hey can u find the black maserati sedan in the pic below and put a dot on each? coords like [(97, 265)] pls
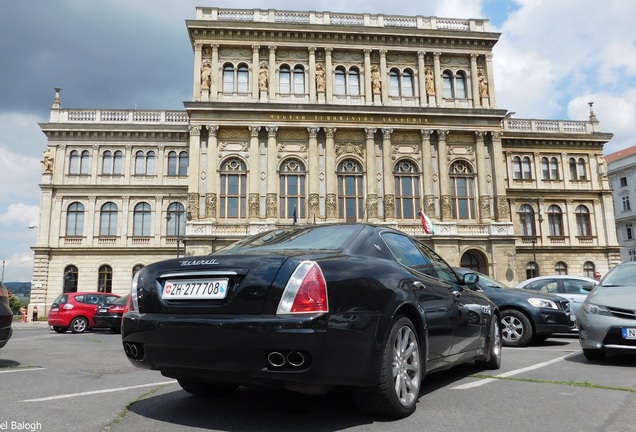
[(526, 316), (309, 308)]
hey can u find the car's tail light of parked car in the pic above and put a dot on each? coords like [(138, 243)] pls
[(305, 292), (68, 306), (133, 301)]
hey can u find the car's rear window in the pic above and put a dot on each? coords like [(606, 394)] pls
[(328, 237), (61, 299)]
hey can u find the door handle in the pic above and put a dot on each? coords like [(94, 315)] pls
[(419, 285)]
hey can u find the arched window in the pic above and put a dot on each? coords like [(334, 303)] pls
[(177, 163), (532, 270), (516, 168), (112, 163), (578, 169), (299, 80), (105, 279), (184, 161), (526, 168), (108, 219), (447, 85), (354, 82), (144, 163), (118, 162), (172, 163), (228, 78), (589, 269), (407, 83), (340, 82), (292, 189), (284, 79), (176, 218), (79, 162), (233, 197), (462, 188), (243, 79), (407, 190), (350, 191), (136, 269), (526, 219), (70, 279), (75, 219), (470, 261), (460, 85), (555, 221), (394, 82), (142, 220), (550, 168), (583, 223), (560, 268)]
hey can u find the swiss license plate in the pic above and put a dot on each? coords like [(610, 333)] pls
[(195, 289), (629, 333), (103, 310)]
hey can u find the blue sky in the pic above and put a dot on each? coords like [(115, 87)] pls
[(553, 57)]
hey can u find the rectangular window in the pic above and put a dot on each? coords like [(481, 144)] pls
[(626, 205), (623, 181), (629, 234), (632, 254)]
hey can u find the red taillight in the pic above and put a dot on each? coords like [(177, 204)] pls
[(130, 305), (306, 291), (117, 309), (68, 306)]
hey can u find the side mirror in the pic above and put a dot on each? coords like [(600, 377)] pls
[(589, 287), (470, 279)]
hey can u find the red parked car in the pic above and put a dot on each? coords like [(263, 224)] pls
[(75, 310)]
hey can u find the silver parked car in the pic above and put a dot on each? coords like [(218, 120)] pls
[(607, 318), (573, 288)]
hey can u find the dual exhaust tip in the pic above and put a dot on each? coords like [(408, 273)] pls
[(134, 350), (293, 359)]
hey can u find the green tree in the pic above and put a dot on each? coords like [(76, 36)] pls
[(15, 305)]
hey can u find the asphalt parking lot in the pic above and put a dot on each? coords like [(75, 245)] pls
[(82, 382)]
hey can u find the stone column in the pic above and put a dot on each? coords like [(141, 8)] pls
[(217, 73), (312, 74), (474, 81), (313, 171), (212, 183), (196, 89), (427, 174), (499, 174), (437, 73), (482, 178), (272, 175), (372, 192), (331, 177), (272, 76), (491, 80), (256, 67), (421, 78), (444, 188), (254, 200), (383, 76), (328, 75), (368, 86), (387, 175), (194, 169)]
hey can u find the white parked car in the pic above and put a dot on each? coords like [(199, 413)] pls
[(573, 288)]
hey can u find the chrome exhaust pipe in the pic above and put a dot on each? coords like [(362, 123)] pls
[(276, 359), (295, 358), (131, 350)]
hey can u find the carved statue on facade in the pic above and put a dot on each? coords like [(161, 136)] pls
[(483, 85), (206, 76), (263, 78), (375, 79), (429, 82), (320, 77), (47, 161)]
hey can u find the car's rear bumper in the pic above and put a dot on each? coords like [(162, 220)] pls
[(107, 321), (337, 350)]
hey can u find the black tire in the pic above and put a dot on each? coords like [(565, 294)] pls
[(400, 377), (593, 354), (494, 347), (79, 325), (206, 389), (60, 329), (516, 328)]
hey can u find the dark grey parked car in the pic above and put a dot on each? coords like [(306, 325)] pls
[(526, 316)]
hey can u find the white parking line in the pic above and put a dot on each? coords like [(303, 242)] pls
[(510, 373), (72, 395), (23, 370)]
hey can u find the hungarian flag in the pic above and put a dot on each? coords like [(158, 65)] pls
[(427, 225)]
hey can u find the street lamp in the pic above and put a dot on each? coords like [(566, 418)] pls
[(534, 239), (178, 212)]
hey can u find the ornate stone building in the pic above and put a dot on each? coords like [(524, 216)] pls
[(621, 170), (310, 118)]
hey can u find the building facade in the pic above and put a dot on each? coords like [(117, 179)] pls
[(318, 117), (621, 170)]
